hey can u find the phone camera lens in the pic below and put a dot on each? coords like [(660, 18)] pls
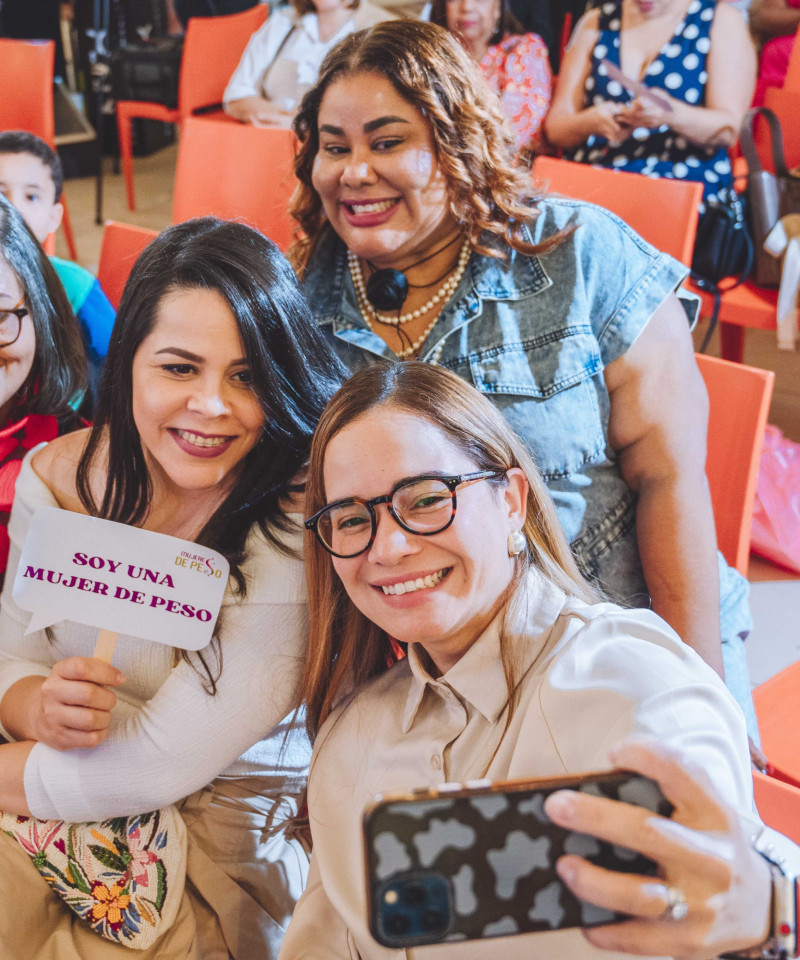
[(397, 925), (432, 920), (413, 895)]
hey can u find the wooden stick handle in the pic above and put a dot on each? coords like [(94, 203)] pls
[(104, 649)]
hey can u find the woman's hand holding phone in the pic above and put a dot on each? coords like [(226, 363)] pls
[(703, 852), (601, 120), (644, 112)]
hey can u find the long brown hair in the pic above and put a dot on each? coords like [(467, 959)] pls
[(490, 194), (345, 648)]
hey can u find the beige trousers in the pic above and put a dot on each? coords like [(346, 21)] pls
[(243, 878)]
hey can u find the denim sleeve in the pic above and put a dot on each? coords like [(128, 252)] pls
[(623, 279), (97, 317)]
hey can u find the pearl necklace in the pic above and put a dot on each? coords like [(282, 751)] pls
[(408, 351), (444, 292)]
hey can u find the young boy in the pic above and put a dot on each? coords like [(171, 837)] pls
[(31, 179)]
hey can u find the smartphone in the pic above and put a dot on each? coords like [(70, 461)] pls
[(468, 861)]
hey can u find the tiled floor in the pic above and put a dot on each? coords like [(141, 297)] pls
[(775, 641)]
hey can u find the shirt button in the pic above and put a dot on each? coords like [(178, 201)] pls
[(436, 762)]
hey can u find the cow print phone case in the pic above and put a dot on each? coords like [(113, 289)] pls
[(471, 861)]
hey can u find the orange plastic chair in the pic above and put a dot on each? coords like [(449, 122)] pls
[(122, 244), (744, 306), (778, 805), (237, 172), (211, 52), (663, 212), (26, 69), (739, 398), (784, 102), (777, 703)]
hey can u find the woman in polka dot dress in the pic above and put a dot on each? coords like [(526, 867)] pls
[(697, 57)]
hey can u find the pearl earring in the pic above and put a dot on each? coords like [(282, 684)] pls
[(517, 542)]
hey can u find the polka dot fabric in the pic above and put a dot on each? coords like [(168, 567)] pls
[(680, 69)]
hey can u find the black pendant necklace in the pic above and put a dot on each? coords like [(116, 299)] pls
[(387, 289)]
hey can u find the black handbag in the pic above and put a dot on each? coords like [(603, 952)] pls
[(723, 250), (723, 246), (770, 196)]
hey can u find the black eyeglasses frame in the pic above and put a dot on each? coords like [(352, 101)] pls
[(19, 312), (451, 483)]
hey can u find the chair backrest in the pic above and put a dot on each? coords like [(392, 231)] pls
[(783, 102), (792, 81), (211, 52), (237, 172), (122, 244), (663, 212), (778, 805), (739, 402), (777, 703), (26, 76)]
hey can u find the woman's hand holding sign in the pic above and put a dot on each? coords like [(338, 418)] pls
[(75, 703), (161, 589), (69, 709)]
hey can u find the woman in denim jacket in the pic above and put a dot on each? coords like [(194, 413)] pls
[(421, 239)]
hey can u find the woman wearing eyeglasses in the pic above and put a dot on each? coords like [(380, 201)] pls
[(42, 359), (431, 526)]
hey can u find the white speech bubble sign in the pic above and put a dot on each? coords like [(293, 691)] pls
[(119, 578)]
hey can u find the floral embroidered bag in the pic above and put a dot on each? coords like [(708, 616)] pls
[(124, 876)]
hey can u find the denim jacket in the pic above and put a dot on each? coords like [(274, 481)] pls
[(535, 334)]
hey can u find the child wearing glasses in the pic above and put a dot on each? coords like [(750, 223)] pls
[(31, 179), (42, 360)]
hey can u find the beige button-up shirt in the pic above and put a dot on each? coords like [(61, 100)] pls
[(591, 676)]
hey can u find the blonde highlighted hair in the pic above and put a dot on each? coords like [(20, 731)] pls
[(489, 193), (345, 648)]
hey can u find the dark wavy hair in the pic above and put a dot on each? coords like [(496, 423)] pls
[(507, 23), (294, 373), (58, 374), (489, 192)]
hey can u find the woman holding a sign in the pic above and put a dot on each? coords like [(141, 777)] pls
[(214, 381)]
